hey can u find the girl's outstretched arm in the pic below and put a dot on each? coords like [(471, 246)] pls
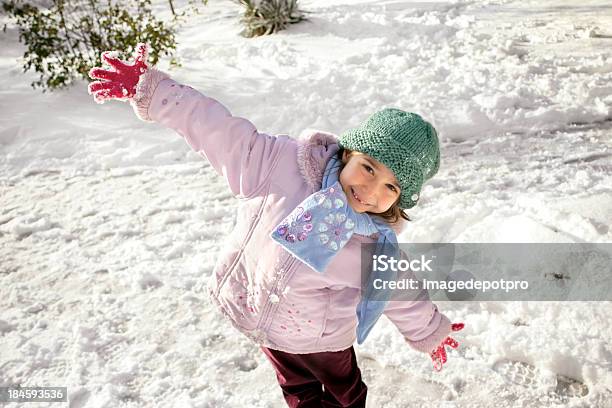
[(232, 145), (424, 328)]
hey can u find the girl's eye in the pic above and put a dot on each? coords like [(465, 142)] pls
[(368, 168), (392, 188)]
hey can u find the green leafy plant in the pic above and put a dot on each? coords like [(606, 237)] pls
[(65, 39), (265, 17)]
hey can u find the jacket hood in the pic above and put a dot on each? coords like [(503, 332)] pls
[(314, 150)]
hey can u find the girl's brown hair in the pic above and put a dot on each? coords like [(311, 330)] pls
[(394, 213)]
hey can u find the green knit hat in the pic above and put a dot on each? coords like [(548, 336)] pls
[(402, 141)]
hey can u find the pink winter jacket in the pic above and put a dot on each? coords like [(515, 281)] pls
[(267, 293)]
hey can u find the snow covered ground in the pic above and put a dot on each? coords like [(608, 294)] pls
[(109, 226)]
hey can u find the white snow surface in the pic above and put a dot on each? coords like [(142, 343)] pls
[(110, 226)]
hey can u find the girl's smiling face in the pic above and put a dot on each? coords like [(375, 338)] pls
[(369, 185)]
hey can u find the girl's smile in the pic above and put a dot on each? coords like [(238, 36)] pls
[(357, 197)]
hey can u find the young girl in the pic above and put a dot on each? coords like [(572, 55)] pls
[(289, 275)]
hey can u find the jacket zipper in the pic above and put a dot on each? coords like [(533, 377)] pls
[(287, 266)]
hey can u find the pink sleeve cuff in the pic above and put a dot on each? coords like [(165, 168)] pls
[(144, 92), (431, 342)]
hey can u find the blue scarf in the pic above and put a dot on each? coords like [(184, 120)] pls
[(319, 227)]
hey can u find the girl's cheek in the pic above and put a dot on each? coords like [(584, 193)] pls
[(389, 199), (354, 178)]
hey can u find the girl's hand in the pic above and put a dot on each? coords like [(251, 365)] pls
[(121, 82), (439, 354)]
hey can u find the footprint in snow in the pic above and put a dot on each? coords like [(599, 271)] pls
[(113, 350), (560, 387)]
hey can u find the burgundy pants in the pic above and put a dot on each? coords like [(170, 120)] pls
[(315, 380)]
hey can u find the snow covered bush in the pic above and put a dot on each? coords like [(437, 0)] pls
[(65, 38), (262, 17)]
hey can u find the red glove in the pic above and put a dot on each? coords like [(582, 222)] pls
[(121, 82), (439, 354)]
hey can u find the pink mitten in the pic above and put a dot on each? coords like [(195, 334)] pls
[(121, 82), (439, 354)]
